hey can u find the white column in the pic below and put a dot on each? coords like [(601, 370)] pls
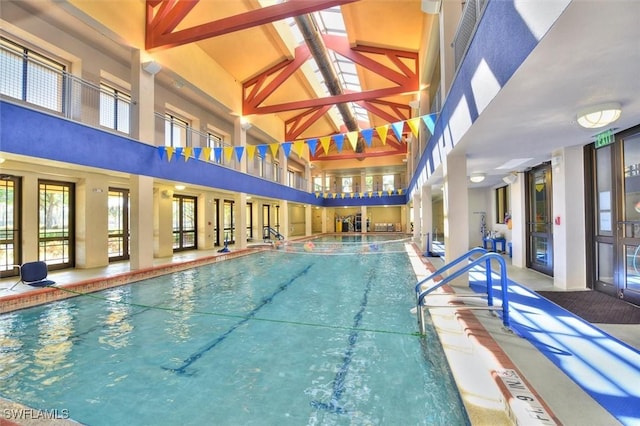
[(517, 202), (92, 222), (284, 218), (163, 221), (142, 90), (450, 14), (456, 206), (427, 214), (240, 222), (569, 246), (308, 219), (141, 222), (240, 128), (418, 233), (30, 208), (206, 217)]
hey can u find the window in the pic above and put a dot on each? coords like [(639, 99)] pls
[(184, 222), (176, 131), (318, 186), (388, 182), (118, 224), (10, 235), (291, 178), (228, 224), (114, 109), (215, 141), (347, 184), (31, 77), (56, 223), (368, 183), (502, 204)]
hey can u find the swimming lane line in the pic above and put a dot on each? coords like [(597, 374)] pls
[(197, 355)]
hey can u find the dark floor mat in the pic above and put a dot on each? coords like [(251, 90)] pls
[(595, 307)]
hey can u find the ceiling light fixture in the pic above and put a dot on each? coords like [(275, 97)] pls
[(180, 187), (477, 177), (599, 115)]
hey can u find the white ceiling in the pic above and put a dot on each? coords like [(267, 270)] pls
[(590, 56)]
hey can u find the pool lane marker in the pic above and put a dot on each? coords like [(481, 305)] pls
[(197, 355), (334, 405)]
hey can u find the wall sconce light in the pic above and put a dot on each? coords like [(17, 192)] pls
[(599, 115), (245, 124), (152, 67), (477, 177), (510, 178), (166, 194)]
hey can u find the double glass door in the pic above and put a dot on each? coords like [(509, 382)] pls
[(617, 218)]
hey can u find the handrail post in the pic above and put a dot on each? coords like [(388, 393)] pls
[(489, 283)]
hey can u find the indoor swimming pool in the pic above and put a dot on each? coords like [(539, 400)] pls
[(281, 337)]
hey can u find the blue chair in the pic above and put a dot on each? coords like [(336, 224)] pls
[(33, 274)]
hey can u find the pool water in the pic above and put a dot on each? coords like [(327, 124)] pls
[(273, 338)]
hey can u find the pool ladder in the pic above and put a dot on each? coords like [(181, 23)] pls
[(427, 286)]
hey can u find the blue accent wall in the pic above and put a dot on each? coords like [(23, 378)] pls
[(503, 41), (32, 133)]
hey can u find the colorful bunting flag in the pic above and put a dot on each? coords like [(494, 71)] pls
[(367, 134), (251, 151), (414, 125), (353, 139), (325, 142), (382, 132), (339, 140), (397, 129), (286, 148), (239, 151)]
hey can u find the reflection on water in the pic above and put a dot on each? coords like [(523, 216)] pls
[(183, 295), (118, 327), (11, 355), (55, 330)]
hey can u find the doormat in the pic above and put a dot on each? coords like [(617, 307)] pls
[(595, 307)]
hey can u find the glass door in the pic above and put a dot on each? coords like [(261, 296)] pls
[(628, 280), (539, 225)]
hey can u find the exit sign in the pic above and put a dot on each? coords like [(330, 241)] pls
[(605, 138)]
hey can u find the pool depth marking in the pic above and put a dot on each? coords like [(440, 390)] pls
[(339, 380), (197, 355)]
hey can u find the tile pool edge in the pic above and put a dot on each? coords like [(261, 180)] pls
[(43, 295), (479, 365)]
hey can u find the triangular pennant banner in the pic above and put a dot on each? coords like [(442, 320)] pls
[(353, 139), (217, 154), (312, 143), (187, 153), (161, 152), (196, 152), (339, 140), (430, 121), (325, 141), (298, 146), (414, 125), (206, 153), (379, 193), (274, 149), (251, 151), (397, 129), (239, 151), (382, 132), (228, 153), (286, 148), (367, 134), (262, 149), (177, 152)]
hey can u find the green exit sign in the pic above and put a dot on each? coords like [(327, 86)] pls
[(605, 138)]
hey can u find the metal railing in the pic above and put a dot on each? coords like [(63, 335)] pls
[(486, 258), (466, 28)]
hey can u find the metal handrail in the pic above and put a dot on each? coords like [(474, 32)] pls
[(487, 257), (449, 265)]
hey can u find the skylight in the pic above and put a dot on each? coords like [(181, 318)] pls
[(330, 21)]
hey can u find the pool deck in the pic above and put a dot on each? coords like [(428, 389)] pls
[(503, 379)]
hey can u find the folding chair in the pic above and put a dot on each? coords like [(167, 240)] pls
[(33, 274)]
